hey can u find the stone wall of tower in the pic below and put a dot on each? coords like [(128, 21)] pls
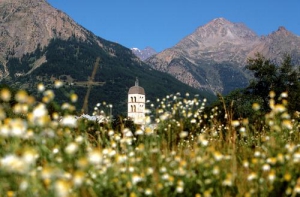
[(136, 107)]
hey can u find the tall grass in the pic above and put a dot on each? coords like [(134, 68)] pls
[(183, 150)]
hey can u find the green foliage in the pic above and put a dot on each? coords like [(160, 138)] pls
[(281, 80)]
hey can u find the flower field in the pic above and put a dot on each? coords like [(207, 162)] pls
[(184, 150)]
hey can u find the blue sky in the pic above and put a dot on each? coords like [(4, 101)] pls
[(163, 23)]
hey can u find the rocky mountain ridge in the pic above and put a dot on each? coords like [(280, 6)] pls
[(144, 53), (213, 57), (28, 24)]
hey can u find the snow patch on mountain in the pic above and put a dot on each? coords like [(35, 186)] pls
[(144, 53)]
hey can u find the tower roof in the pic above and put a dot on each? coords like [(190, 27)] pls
[(136, 89)]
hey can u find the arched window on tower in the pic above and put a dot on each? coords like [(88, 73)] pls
[(135, 99), (131, 107), (134, 108), (132, 99)]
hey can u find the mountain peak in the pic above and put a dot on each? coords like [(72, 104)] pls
[(218, 43), (220, 20), (283, 30), (280, 32), (31, 23), (218, 23), (220, 28), (145, 53)]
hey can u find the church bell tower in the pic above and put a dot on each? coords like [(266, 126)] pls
[(136, 103)]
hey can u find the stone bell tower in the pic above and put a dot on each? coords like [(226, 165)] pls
[(136, 103)]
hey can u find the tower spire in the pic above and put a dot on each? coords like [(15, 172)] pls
[(136, 81)]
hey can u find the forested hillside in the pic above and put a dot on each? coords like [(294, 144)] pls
[(72, 61)]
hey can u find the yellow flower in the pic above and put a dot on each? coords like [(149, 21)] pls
[(82, 162), (21, 96), (171, 179), (71, 148), (10, 193), (39, 110), (132, 194), (216, 170), (272, 176), (193, 121), (39, 115), (129, 185), (30, 156), (74, 97), (266, 167), (228, 180), (183, 134), (55, 115), (280, 158), (272, 160), (245, 163), (252, 176), (78, 178), (58, 84), (148, 131), (207, 193), (136, 179), (95, 157), (139, 132), (235, 123), (287, 124), (297, 188), (62, 188), (48, 96), (218, 156), (202, 140), (256, 106), (183, 163), (287, 176), (272, 94), (288, 191), (179, 189), (284, 95), (279, 108), (41, 87), (5, 95), (148, 192), (160, 186)]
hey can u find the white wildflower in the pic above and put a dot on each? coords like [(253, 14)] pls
[(71, 148), (69, 121)]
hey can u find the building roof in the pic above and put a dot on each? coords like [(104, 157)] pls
[(136, 90)]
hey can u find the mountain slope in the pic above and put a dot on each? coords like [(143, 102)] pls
[(213, 57), (44, 45), (27, 24), (278, 43)]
